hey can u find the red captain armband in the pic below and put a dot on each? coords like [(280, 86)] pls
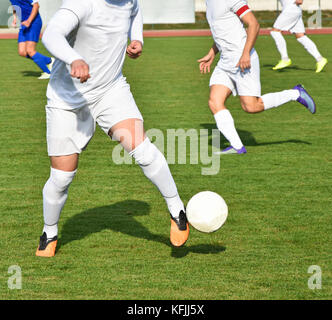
[(242, 10)]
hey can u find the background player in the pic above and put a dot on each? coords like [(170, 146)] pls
[(291, 20), (89, 39), (238, 70), (31, 24)]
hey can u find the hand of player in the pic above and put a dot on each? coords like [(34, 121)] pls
[(80, 70), (244, 62), (299, 2), (14, 22), (206, 62), (26, 23), (134, 50)]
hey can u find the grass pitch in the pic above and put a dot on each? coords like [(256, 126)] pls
[(114, 230)]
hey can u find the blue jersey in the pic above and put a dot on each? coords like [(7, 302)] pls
[(25, 6)]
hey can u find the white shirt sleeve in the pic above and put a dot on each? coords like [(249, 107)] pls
[(239, 7), (136, 27), (66, 19), (54, 37)]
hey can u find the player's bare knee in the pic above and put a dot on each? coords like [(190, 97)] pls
[(249, 107), (299, 35), (211, 104), (215, 107), (22, 52), (245, 106), (252, 104), (30, 52)]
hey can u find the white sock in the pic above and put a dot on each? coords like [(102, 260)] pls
[(276, 99), (155, 168), (51, 231), (225, 124), (55, 194), (281, 44), (310, 46), (174, 205)]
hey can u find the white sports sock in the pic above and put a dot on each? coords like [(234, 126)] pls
[(310, 46), (55, 194), (175, 205), (281, 44), (155, 168), (51, 231), (225, 124), (276, 99)]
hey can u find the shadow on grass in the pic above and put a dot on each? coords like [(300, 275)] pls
[(247, 138), (33, 74), (120, 217), (290, 68)]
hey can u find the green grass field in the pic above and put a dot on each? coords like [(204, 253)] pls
[(114, 230)]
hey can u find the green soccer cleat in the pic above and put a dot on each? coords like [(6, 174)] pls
[(320, 65), (282, 64), (50, 66), (44, 76)]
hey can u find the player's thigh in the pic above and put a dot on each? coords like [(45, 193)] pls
[(298, 29), (22, 49), (119, 117), (252, 104), (221, 86), (130, 133), (276, 30), (33, 32), (286, 21), (279, 23), (248, 83), (67, 163), (299, 35), (68, 134)]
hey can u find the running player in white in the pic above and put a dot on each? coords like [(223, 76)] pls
[(238, 70), (89, 40), (291, 20)]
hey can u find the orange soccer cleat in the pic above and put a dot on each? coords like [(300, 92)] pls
[(179, 230), (46, 246)]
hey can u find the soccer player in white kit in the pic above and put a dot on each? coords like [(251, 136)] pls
[(238, 69), (291, 20), (89, 40)]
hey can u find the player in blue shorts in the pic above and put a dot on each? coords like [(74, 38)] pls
[(31, 23)]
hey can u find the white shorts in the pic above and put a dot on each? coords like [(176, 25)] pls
[(247, 84), (69, 131), (290, 21)]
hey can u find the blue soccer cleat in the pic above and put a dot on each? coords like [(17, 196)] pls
[(305, 99), (231, 150)]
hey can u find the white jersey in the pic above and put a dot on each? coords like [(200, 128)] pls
[(290, 5), (228, 30), (96, 31)]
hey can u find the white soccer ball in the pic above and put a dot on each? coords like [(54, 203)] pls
[(207, 211)]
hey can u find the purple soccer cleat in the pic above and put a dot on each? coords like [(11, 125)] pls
[(231, 150), (305, 99)]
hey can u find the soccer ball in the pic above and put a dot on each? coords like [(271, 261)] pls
[(207, 211)]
